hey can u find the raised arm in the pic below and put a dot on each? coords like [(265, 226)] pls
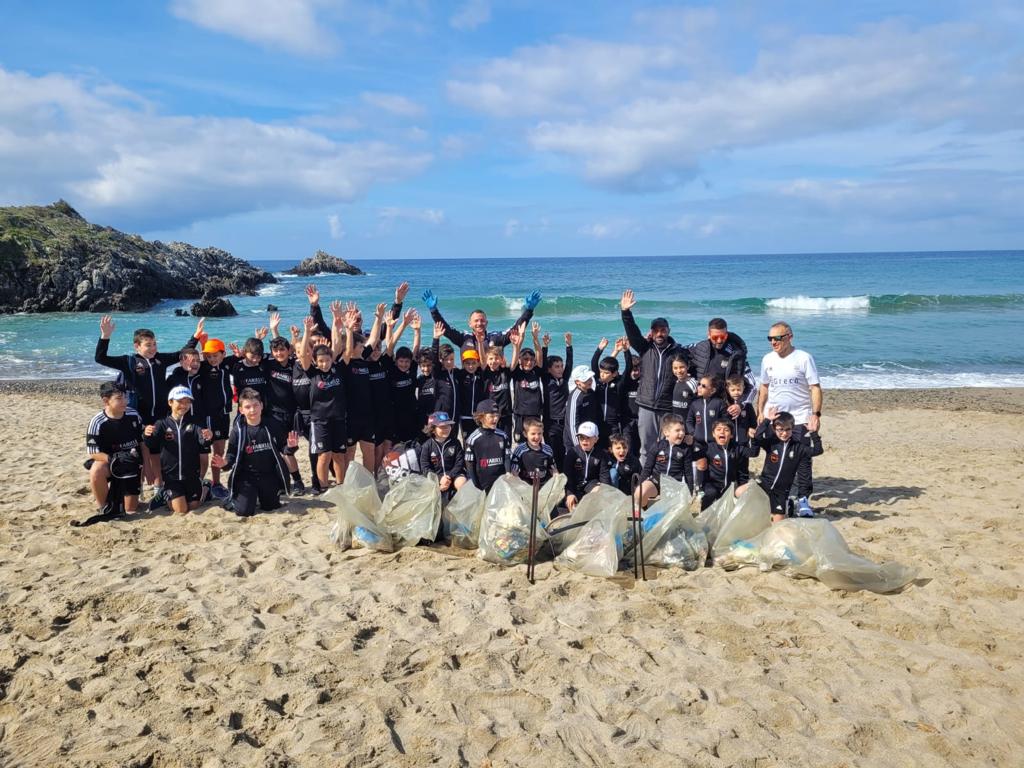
[(529, 304), (416, 324), (568, 353), (516, 337), (304, 351), (457, 337), (106, 331), (636, 338), (595, 360), (392, 334), (378, 322)]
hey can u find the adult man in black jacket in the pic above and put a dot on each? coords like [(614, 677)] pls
[(654, 396), (722, 354), (478, 333)]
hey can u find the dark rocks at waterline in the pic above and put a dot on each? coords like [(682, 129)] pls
[(53, 260), (323, 263), (179, 312), (271, 307), (216, 306)]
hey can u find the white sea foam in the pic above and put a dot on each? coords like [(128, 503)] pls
[(270, 289), (513, 306), (813, 304), (864, 379)]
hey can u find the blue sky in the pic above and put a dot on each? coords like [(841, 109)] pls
[(483, 128)]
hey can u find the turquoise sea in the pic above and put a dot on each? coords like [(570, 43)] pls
[(870, 319)]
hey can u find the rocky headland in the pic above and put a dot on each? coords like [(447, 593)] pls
[(53, 260)]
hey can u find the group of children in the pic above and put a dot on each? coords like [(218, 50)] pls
[(341, 388)]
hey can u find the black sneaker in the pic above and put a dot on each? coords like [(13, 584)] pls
[(298, 488)]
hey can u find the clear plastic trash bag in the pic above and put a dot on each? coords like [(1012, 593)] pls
[(750, 514), (597, 549), (549, 496), (814, 548), (411, 510), (672, 537), (564, 530), (359, 522), (505, 528), (463, 514)]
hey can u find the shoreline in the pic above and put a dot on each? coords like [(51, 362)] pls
[(978, 399)]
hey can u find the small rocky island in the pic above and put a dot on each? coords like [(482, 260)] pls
[(53, 260), (323, 263)]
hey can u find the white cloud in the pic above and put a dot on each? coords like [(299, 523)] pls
[(471, 15), (337, 231), (512, 227), (702, 226), (644, 117), (112, 155), (605, 230), (290, 25), (433, 216), (393, 103)]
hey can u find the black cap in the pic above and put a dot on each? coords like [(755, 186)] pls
[(658, 322), (486, 406)]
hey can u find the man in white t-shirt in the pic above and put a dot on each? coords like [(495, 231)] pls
[(789, 382)]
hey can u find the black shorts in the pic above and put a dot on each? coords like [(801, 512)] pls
[(301, 423), (360, 430), (220, 425), (382, 430), (191, 488), (287, 422), (129, 486), (327, 436)]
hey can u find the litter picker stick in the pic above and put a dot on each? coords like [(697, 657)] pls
[(637, 521), (530, 564)]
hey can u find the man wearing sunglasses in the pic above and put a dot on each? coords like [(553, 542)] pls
[(722, 354), (789, 382)]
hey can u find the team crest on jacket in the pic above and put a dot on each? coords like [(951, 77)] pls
[(140, 368), (717, 461), (773, 458)]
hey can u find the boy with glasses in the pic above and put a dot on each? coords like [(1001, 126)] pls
[(786, 456), (789, 383)]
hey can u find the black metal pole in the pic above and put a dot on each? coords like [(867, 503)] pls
[(530, 564), (639, 566)]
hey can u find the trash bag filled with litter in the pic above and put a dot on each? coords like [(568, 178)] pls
[(505, 528), (814, 548), (411, 510), (564, 530), (359, 521), (729, 519), (597, 549), (672, 537), (463, 514)]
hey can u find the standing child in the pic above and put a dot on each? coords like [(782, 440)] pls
[(785, 455), (497, 378), (556, 394), (581, 406), (705, 410), (255, 457), (179, 441), (631, 429), (585, 465), (532, 456), (359, 393), (469, 392), (406, 426), (612, 396), (281, 401), (442, 454), (487, 449), (744, 421), (145, 374), (527, 386), (684, 389), (669, 456)]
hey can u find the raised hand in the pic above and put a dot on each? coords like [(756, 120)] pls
[(261, 333), (568, 339), (401, 291), (313, 294), (535, 328), (308, 323), (390, 320), (293, 439), (275, 321), (235, 350), (380, 310), (430, 299), (532, 300), (628, 300), (619, 345), (107, 326), (351, 318), (337, 309), (438, 330), (515, 336), (546, 340), (602, 344), (414, 322), (296, 331), (409, 315), (200, 328)]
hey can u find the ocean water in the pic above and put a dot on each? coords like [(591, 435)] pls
[(871, 320)]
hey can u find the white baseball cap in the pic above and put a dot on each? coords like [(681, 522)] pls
[(581, 373), (180, 393), (587, 429)]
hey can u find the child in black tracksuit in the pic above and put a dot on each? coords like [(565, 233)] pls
[(179, 440), (623, 464), (487, 449), (610, 391), (783, 456), (527, 386), (497, 386), (670, 456), (705, 410), (684, 389), (631, 425), (556, 394), (717, 463), (744, 423), (469, 391), (441, 453), (585, 465), (533, 457), (255, 456)]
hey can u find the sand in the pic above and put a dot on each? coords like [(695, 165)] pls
[(210, 641)]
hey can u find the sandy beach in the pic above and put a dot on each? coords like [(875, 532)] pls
[(214, 641)]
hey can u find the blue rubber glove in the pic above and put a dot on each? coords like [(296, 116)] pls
[(430, 299), (532, 300)]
